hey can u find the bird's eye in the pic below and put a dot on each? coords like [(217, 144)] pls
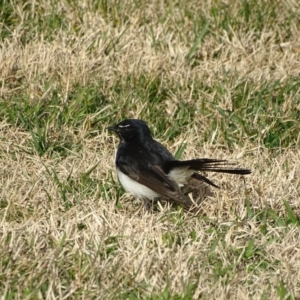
[(124, 127)]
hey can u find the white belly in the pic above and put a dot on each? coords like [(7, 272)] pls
[(138, 190), (179, 175)]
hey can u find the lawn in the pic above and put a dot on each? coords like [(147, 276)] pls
[(214, 79)]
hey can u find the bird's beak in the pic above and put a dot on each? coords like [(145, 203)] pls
[(112, 128)]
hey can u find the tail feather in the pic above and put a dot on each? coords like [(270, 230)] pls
[(237, 171), (203, 178), (206, 164)]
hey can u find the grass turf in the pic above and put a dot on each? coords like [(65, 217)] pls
[(213, 80)]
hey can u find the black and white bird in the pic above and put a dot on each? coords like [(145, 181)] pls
[(148, 170)]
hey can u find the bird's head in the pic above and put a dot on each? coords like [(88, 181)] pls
[(132, 130)]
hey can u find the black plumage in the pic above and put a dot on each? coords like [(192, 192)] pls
[(148, 170)]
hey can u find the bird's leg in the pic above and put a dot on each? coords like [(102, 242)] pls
[(149, 204)]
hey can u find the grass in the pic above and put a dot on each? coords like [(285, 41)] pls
[(213, 80)]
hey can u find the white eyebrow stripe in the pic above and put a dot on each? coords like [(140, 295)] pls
[(122, 126)]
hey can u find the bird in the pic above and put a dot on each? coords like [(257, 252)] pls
[(149, 171)]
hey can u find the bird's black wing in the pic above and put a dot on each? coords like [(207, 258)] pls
[(153, 177)]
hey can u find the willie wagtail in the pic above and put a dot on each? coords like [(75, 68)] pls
[(148, 170)]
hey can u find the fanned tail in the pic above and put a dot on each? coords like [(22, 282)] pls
[(208, 165)]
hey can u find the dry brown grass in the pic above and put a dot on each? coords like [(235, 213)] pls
[(43, 240), (87, 247)]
